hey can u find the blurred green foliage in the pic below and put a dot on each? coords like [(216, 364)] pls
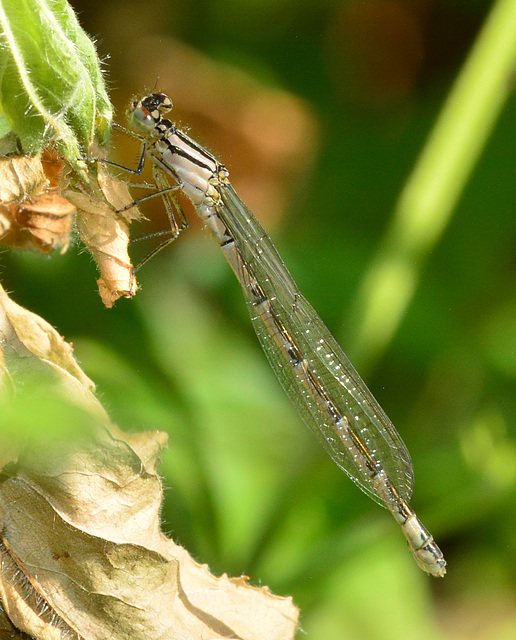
[(250, 492)]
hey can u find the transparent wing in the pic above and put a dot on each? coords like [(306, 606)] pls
[(326, 360)]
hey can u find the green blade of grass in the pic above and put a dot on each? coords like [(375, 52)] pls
[(427, 202)]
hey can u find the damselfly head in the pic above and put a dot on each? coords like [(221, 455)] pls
[(157, 102), (144, 113)]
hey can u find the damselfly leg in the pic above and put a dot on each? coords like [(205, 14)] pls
[(161, 188)]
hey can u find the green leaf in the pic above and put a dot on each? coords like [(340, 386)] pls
[(51, 86)]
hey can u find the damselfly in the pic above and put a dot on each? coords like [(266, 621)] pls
[(314, 371)]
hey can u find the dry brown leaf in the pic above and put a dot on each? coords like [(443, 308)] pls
[(106, 232), (22, 178), (82, 553), (33, 214), (8, 631), (36, 212)]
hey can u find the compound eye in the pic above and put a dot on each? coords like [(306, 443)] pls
[(142, 119)]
